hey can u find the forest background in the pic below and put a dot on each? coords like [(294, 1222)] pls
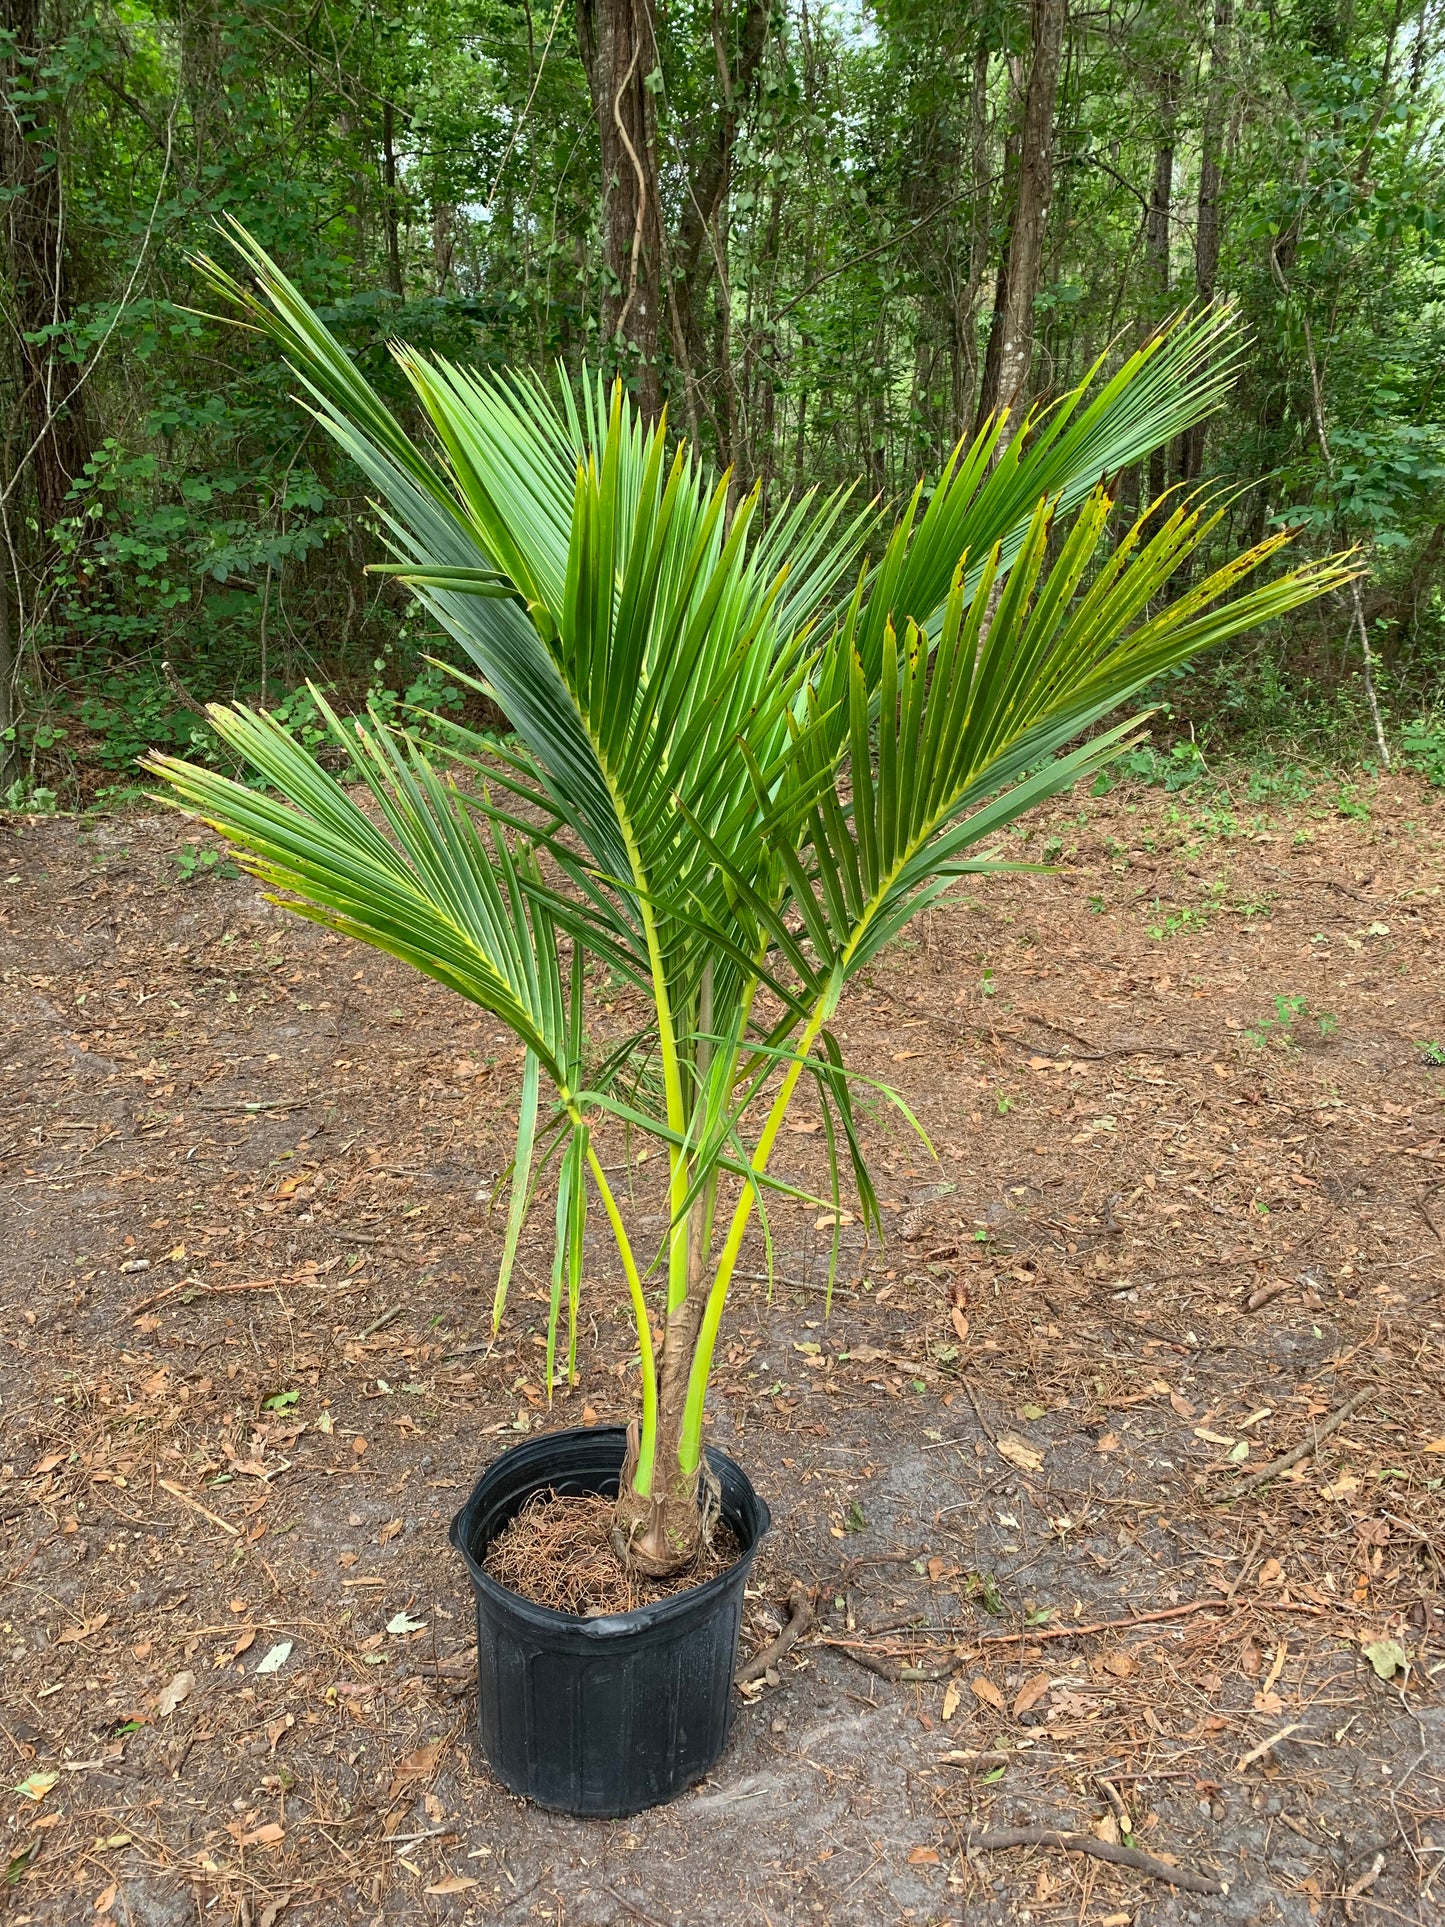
[(830, 235)]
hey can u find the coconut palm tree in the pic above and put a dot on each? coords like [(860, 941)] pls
[(742, 754)]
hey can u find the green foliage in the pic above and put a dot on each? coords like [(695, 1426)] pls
[(432, 174), (745, 754), (1289, 1013), (1423, 749), (193, 862)]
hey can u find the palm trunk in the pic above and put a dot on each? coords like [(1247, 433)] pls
[(661, 1531)]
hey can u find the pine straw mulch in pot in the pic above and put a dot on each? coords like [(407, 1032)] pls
[(558, 1552)]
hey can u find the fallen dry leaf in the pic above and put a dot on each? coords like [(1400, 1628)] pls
[(1072, 1706), (959, 1322), (419, 1765), (270, 1835), (388, 1532), (923, 1857), (1121, 1665), (1182, 1407), (1019, 1452), (170, 1697), (950, 1700), (1271, 1573), (589, 1414), (1030, 1693), (1108, 1443), (72, 1635), (455, 1883), (105, 1899), (985, 1690)]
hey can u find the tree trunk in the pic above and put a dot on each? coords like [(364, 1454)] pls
[(1211, 179), (618, 44), (390, 213), (965, 319), (702, 231), (1156, 237), (443, 244), (9, 748), (38, 266), (1011, 337)]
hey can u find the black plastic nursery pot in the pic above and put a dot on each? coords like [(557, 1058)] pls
[(601, 1717)]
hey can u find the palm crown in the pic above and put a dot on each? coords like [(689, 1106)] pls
[(742, 756)]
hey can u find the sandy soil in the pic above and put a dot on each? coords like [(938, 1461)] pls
[(1189, 1202)]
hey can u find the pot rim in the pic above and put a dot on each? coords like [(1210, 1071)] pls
[(606, 1625)]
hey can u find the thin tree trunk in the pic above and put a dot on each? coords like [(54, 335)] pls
[(443, 245), (618, 43), (965, 321), (1207, 220), (1011, 338), (1317, 410), (38, 265), (1157, 234), (702, 229), (390, 214), (9, 717)]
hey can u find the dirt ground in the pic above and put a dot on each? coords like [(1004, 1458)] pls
[(1189, 1204)]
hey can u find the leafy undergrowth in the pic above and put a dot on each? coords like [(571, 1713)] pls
[(1177, 1224)]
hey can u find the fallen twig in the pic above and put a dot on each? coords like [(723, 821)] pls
[(1100, 1625), (975, 1762), (800, 1618), (894, 1667), (255, 1105), (850, 1566), (199, 1289), (1312, 1444), (385, 1319), (984, 1425), (1145, 1863), (179, 1492), (886, 1669), (1366, 1880), (631, 1905), (1258, 1752)]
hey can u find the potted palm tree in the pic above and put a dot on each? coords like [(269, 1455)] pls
[(743, 753)]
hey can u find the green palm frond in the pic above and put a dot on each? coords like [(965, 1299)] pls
[(742, 755)]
